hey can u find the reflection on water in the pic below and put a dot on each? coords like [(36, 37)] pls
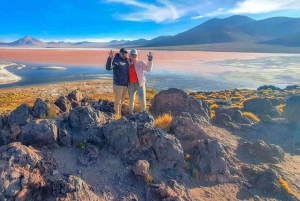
[(197, 75)]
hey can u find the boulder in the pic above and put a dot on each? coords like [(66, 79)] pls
[(92, 135), (141, 168), (225, 115), (75, 96), (291, 111), (258, 106), (268, 153), (187, 131), (39, 132), (105, 106), (23, 171), (21, 116), (121, 135), (170, 190), (63, 103), (64, 137), (89, 156), (43, 109), (84, 117), (176, 101), (213, 160)]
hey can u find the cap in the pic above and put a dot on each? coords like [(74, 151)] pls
[(123, 50), (134, 52)]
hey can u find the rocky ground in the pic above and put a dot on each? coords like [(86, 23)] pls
[(67, 145)]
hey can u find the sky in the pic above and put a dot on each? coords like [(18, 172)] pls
[(105, 20)]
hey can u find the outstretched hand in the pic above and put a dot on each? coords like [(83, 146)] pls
[(111, 54), (150, 56)]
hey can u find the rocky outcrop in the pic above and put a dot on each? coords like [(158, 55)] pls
[(258, 106), (75, 96), (187, 132), (39, 132), (212, 159), (43, 109), (21, 116), (175, 101), (291, 110), (23, 171), (141, 168), (63, 103), (168, 191), (268, 153), (84, 117), (227, 116)]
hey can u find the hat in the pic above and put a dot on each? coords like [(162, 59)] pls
[(123, 50), (134, 52)]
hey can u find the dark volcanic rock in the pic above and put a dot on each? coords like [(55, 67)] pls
[(121, 135), (75, 96), (84, 117), (291, 110), (64, 137), (92, 135), (89, 156), (168, 191), (187, 131), (63, 103), (268, 153), (225, 115), (39, 132), (42, 109), (23, 171), (258, 106), (175, 101), (211, 158), (21, 115)]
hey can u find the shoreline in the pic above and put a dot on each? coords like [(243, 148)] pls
[(7, 77)]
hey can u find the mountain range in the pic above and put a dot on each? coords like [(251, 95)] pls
[(239, 29)]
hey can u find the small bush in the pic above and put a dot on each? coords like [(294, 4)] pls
[(280, 107), (201, 96), (286, 187), (250, 115), (148, 178), (163, 122), (214, 106)]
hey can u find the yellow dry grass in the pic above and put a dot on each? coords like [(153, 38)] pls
[(286, 187), (163, 122), (280, 107), (250, 115)]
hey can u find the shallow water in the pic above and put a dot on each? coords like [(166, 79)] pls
[(193, 74)]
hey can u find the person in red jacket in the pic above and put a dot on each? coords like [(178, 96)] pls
[(137, 80)]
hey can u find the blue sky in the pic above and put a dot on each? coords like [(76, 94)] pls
[(104, 20)]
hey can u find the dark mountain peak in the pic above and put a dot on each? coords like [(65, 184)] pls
[(28, 40)]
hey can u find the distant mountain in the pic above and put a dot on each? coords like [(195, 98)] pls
[(28, 41), (292, 40), (137, 42)]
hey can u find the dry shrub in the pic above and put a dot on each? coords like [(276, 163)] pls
[(286, 187), (201, 96), (214, 106), (163, 122), (51, 112), (250, 115), (280, 107), (210, 102), (148, 178)]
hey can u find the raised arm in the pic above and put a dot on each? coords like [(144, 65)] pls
[(110, 64), (148, 67)]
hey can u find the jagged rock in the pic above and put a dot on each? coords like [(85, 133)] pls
[(23, 171), (141, 168), (39, 132), (291, 110), (92, 135), (64, 137), (234, 114), (212, 159), (142, 118), (72, 188), (275, 101), (89, 156), (21, 115), (130, 156), (268, 153), (258, 106), (43, 109), (175, 101), (1, 122), (187, 131), (84, 117), (121, 135), (170, 190), (75, 96), (105, 106), (15, 131), (168, 150), (63, 103)]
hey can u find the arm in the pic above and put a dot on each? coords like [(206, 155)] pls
[(110, 63), (147, 67)]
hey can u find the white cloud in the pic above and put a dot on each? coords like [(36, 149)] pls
[(197, 17), (258, 6), (164, 11)]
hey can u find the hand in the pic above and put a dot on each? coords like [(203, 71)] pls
[(150, 56), (111, 54)]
